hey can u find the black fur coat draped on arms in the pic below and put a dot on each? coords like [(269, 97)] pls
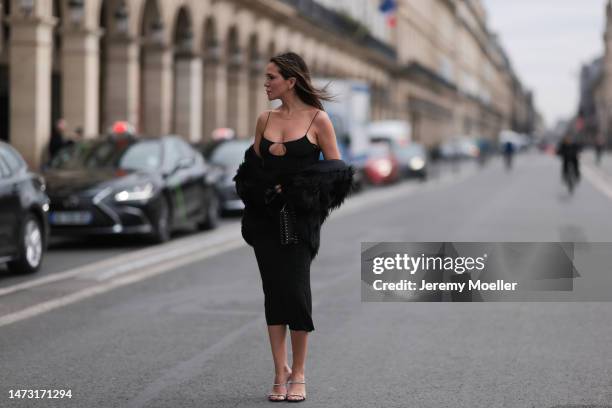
[(311, 193)]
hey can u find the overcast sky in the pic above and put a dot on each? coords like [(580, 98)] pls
[(548, 41)]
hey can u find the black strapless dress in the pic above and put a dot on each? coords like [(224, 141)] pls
[(285, 269)]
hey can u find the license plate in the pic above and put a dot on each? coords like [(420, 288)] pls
[(70, 217)]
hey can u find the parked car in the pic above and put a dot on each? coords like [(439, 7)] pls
[(125, 185), (411, 157), (412, 160), (225, 156), (381, 165), (23, 213)]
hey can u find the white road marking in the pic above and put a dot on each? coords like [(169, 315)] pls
[(145, 273), (598, 181), (130, 258)]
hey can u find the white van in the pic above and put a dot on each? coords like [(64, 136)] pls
[(397, 130), (349, 111)]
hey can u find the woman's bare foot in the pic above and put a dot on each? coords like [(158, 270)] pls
[(279, 392), (296, 390)]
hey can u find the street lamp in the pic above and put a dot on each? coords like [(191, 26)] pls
[(76, 11), (121, 18), (27, 7)]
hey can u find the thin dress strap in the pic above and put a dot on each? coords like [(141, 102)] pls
[(313, 118), (266, 125), (264, 129)]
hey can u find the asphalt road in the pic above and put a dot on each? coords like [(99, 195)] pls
[(190, 332)]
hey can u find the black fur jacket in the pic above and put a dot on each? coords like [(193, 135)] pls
[(311, 193)]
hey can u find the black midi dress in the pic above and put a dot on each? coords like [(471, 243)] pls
[(285, 269)]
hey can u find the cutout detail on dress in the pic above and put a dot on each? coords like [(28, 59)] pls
[(282, 144)]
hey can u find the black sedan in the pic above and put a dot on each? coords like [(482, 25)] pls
[(23, 213), (225, 156), (126, 185)]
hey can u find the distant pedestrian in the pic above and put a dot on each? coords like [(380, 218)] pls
[(508, 151), (58, 138), (77, 136)]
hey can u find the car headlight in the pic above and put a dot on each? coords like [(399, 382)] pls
[(417, 163), (137, 193)]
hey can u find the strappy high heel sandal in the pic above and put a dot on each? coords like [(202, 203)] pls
[(301, 397), (278, 397)]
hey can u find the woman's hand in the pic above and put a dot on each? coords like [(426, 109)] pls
[(278, 188)]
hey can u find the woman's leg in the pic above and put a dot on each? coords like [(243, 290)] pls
[(299, 346), (278, 334)]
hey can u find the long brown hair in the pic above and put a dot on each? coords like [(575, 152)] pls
[(291, 65)]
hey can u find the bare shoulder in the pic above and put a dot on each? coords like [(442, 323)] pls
[(259, 128), (322, 118), (263, 116), (323, 125), (261, 122)]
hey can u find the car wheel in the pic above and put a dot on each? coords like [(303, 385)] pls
[(163, 226), (31, 247), (211, 219)]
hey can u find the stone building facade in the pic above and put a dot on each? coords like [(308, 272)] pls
[(189, 66), (456, 78), (599, 85), (590, 78)]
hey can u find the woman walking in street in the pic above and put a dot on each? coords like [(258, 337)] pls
[(288, 193)]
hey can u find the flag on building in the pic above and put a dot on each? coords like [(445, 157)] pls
[(388, 8)]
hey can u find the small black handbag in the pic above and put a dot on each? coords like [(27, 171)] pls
[(288, 234)]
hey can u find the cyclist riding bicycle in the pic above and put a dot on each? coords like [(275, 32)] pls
[(569, 150)]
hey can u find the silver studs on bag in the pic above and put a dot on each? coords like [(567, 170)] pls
[(288, 221)]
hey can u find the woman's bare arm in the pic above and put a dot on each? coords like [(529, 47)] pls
[(326, 136)]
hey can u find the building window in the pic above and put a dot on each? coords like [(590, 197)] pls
[(446, 69)]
